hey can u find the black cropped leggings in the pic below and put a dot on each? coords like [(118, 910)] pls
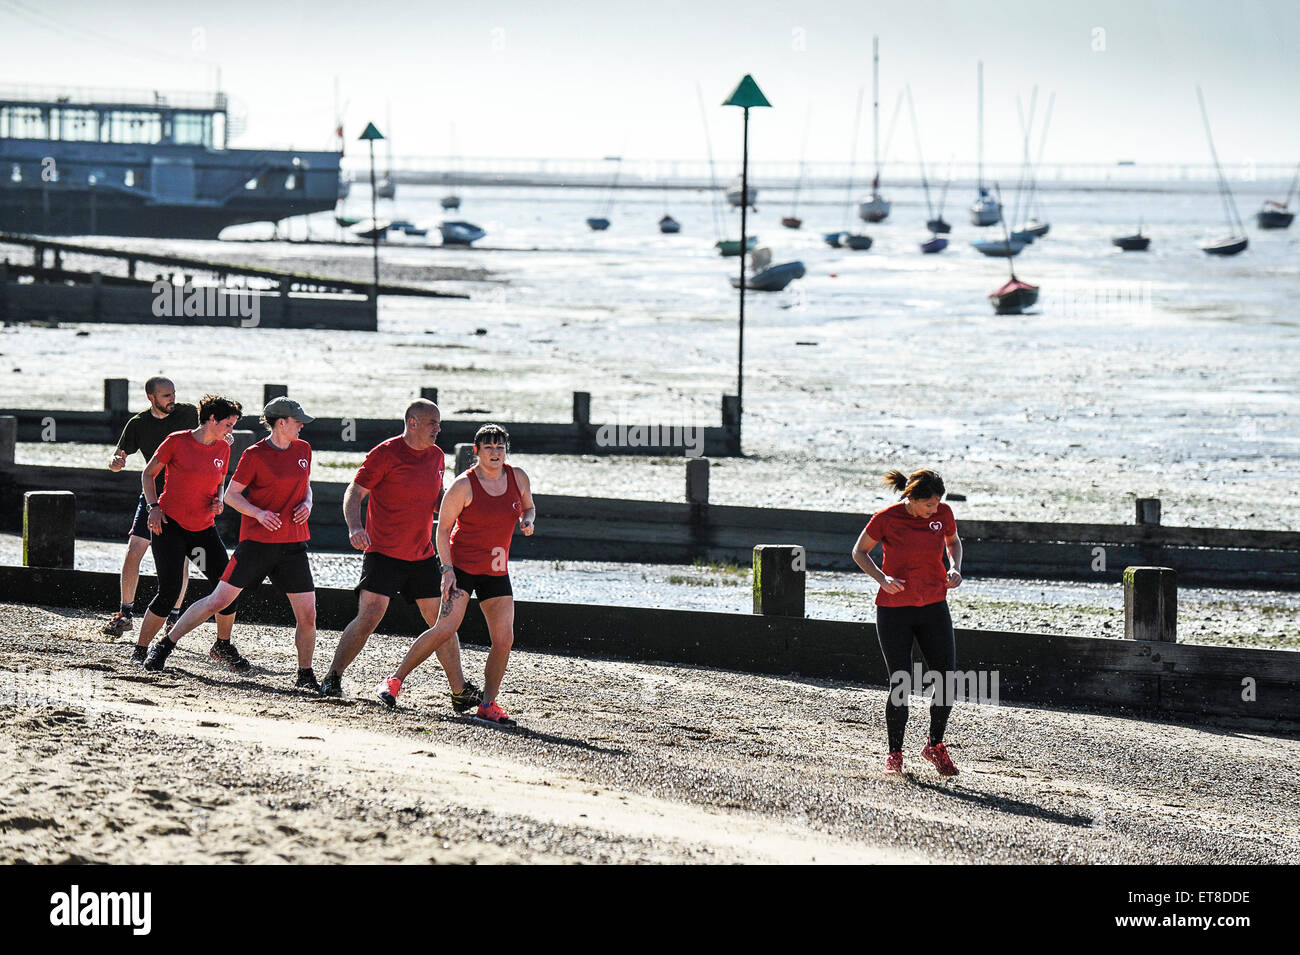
[(931, 627), (172, 549)]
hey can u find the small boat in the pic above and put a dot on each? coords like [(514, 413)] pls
[(409, 228), (370, 228), (876, 207), (998, 248), (460, 233), (1014, 297), (1274, 215), (1278, 215), (450, 203), (386, 188), (1236, 242), (936, 243), (1132, 243), (833, 239), (731, 247), (1230, 245), (938, 226), (669, 226), (1034, 228), (774, 278), (1024, 236), (985, 210), (734, 197), (857, 241), (598, 223), (347, 222), (792, 222)]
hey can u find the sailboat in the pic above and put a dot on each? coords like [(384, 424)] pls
[(1137, 242), (876, 208), (451, 201), (668, 225), (1278, 215), (1035, 226), (1016, 296), (725, 247), (599, 223), (766, 277), (1026, 236), (735, 194), (792, 221), (984, 211), (936, 242), (857, 241), (1231, 244)]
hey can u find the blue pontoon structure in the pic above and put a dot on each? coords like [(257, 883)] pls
[(77, 162)]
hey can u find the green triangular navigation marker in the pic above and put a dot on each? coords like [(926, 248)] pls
[(747, 94), (371, 133)]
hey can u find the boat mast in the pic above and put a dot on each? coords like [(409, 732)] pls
[(1229, 206), (803, 155), (713, 176), (920, 159), (980, 113), (853, 161), (875, 111)]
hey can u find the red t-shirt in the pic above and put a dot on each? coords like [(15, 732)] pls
[(404, 487), (276, 480), (914, 549), (480, 541), (193, 474)]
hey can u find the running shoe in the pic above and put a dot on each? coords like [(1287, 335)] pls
[(493, 712), (938, 754), (332, 685), (388, 690), (223, 651), (138, 654), (469, 697), (119, 624), (307, 681), (158, 653), (894, 764)]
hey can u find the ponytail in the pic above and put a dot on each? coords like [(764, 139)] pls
[(922, 485)]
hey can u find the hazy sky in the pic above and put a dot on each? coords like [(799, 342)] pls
[(585, 78)]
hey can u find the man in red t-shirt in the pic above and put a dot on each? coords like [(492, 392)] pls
[(401, 483), (271, 489)]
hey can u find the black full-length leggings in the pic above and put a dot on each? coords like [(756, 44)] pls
[(931, 627), (173, 548)]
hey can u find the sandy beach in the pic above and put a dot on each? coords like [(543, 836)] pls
[(614, 762)]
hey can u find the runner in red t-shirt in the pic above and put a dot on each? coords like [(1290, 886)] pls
[(912, 603), (483, 504), (182, 524), (271, 488), (401, 484)]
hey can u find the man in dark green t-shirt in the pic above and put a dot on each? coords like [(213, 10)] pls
[(143, 433)]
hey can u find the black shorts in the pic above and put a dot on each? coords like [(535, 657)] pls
[(487, 585), (285, 563), (390, 576), (140, 523)]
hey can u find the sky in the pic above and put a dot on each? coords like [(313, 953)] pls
[(589, 78)]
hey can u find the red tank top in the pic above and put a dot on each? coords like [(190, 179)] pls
[(480, 541)]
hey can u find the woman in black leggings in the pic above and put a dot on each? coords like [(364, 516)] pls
[(912, 603), (182, 522)]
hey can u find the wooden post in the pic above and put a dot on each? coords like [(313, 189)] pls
[(8, 439), (49, 529), (697, 483), (430, 394), (779, 575), (271, 392), (465, 458), (1148, 510), (582, 409), (243, 441), (1151, 604), (117, 403), (731, 422)]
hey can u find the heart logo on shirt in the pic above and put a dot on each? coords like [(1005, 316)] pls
[(216, 462), (302, 463), (936, 525)]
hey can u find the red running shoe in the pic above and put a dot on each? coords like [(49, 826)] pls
[(938, 754), (388, 690), (493, 712), (894, 764)]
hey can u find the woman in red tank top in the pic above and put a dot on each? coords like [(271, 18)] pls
[(475, 525)]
